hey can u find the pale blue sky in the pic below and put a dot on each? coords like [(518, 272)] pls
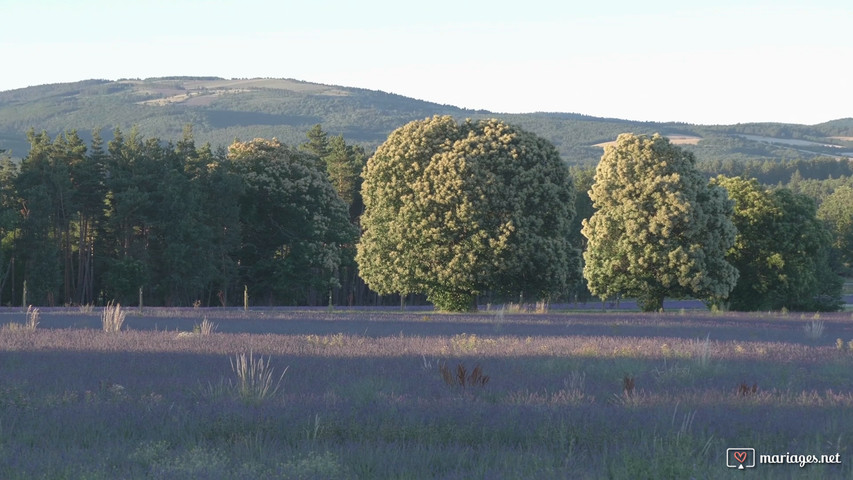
[(710, 62)]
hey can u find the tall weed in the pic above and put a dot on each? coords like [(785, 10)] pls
[(206, 327), (814, 329), (703, 353), (112, 318), (255, 377), (32, 319)]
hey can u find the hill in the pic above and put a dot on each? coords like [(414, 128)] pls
[(221, 110)]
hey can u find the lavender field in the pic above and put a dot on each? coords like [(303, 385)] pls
[(416, 394)]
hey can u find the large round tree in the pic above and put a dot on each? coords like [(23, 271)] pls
[(453, 210), (659, 229)]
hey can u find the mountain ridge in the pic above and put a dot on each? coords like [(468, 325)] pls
[(221, 110)]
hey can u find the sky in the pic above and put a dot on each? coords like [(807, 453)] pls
[(721, 62)]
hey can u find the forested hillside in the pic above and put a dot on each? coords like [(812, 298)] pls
[(221, 110)]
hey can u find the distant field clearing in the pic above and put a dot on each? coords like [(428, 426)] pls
[(674, 139), (204, 92)]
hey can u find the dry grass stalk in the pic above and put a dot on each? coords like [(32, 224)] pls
[(206, 327), (32, 319), (112, 319), (575, 382), (426, 364), (814, 329), (628, 386), (703, 352), (514, 307)]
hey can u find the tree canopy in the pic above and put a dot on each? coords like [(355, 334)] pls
[(343, 163), (186, 224), (781, 250), (659, 229), (837, 211), (297, 223), (454, 210), (457, 210)]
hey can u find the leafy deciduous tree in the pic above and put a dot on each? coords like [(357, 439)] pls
[(294, 223), (837, 211), (659, 229), (781, 250), (455, 210), (754, 252)]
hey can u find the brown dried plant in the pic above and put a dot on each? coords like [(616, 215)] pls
[(460, 374), (744, 390), (462, 378), (477, 378), (445, 374)]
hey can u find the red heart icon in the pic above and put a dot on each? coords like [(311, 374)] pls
[(740, 456)]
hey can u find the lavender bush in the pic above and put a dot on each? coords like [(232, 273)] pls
[(365, 396)]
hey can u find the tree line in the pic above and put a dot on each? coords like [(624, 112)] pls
[(780, 172), (486, 209), (185, 224), (660, 229), (481, 210)]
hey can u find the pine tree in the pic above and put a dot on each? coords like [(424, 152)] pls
[(317, 144)]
